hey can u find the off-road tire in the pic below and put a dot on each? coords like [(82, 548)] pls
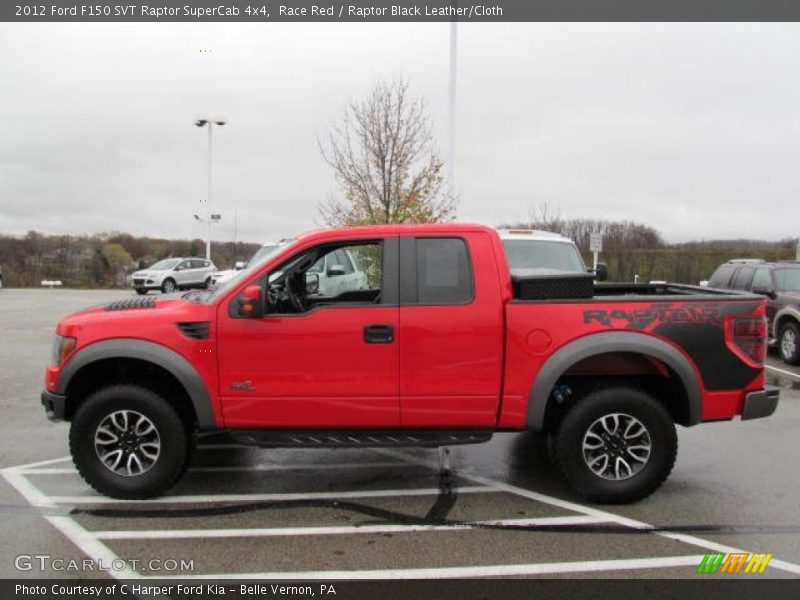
[(789, 356), (175, 442), (568, 440)]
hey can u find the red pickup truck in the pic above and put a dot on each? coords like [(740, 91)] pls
[(455, 332)]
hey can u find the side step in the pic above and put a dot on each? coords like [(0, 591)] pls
[(358, 438)]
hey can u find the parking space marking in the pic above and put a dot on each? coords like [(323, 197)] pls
[(206, 498), (92, 543), (245, 468), (81, 537), (782, 371), (607, 516), (334, 530), (481, 571)]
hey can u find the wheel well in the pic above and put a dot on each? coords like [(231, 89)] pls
[(647, 373), (783, 321), (110, 371)]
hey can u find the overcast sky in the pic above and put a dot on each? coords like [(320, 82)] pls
[(693, 129)]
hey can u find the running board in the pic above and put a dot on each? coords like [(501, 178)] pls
[(358, 438)]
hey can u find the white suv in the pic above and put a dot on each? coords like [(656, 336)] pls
[(173, 274)]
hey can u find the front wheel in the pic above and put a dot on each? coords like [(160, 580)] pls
[(128, 442), (789, 343), (168, 286), (616, 445)]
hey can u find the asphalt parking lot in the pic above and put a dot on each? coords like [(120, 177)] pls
[(498, 511)]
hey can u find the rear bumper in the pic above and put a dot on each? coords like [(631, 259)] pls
[(54, 405), (760, 404)]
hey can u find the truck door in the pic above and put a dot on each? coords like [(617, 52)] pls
[(451, 331), (333, 364)]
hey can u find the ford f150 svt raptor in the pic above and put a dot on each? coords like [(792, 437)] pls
[(460, 332)]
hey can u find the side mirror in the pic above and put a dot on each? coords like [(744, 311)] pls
[(239, 265), (601, 273), (312, 284), (251, 302), (763, 290), (335, 270)]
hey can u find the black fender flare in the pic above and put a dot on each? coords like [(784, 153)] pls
[(604, 343), (787, 312), (157, 354)]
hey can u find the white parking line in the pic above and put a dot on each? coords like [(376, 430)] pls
[(607, 516), (82, 538), (206, 498), (783, 371), (475, 571), (245, 468), (168, 534)]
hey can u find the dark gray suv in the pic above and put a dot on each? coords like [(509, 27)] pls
[(780, 283)]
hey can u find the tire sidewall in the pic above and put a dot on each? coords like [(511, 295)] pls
[(164, 286), (172, 433), (568, 444), (795, 358)]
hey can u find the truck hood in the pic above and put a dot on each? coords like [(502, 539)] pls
[(138, 317)]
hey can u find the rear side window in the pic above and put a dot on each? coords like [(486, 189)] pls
[(443, 271), (762, 280), (721, 277), (742, 279)]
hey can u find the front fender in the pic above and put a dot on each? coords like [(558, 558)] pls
[(157, 354)]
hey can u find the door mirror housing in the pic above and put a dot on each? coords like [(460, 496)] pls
[(251, 302), (239, 265), (601, 273), (335, 271), (763, 290)]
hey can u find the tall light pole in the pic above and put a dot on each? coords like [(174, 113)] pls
[(210, 124), (451, 116)]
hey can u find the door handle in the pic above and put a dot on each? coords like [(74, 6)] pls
[(378, 334)]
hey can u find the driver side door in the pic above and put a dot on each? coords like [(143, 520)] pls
[(334, 365)]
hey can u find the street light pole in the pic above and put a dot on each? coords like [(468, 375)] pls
[(451, 117), (210, 124)]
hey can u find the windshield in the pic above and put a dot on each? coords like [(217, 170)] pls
[(543, 255), (264, 253), (166, 264), (787, 280)]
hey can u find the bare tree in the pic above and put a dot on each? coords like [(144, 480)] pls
[(384, 157)]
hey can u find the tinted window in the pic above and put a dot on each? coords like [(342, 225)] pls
[(443, 271), (742, 279), (788, 280), (721, 277), (761, 279)]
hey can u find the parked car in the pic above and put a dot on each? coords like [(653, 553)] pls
[(446, 345), (780, 283), (172, 274), (331, 275)]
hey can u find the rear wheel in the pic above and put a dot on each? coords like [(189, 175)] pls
[(789, 343), (616, 445), (128, 442)]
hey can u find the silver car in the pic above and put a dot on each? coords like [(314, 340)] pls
[(172, 274)]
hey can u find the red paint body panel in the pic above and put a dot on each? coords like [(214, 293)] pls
[(451, 357), (469, 365)]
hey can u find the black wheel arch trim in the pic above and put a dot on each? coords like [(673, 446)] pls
[(604, 343), (151, 352), (786, 313)]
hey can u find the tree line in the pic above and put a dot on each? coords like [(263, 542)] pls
[(633, 249), (102, 260)]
